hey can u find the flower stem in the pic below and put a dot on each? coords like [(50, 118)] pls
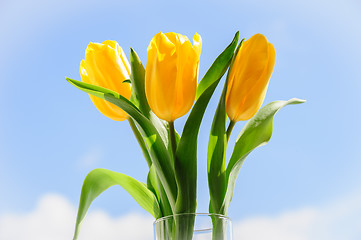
[(141, 142), (230, 128), (172, 138)]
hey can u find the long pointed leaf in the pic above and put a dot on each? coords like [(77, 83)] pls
[(186, 156), (216, 164), (257, 132), (218, 68), (138, 90), (159, 153), (98, 180), (138, 82), (141, 142), (156, 187), (217, 146)]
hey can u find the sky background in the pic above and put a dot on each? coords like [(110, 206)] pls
[(304, 185)]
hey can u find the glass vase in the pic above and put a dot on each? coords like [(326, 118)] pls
[(193, 226)]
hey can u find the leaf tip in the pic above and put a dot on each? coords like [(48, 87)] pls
[(134, 58), (236, 38), (296, 101), (72, 81), (237, 34)]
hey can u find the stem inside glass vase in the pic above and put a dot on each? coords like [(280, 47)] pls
[(193, 226)]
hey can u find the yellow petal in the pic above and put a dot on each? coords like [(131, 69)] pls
[(249, 78), (118, 49), (197, 43), (103, 66), (171, 75), (164, 46), (83, 72)]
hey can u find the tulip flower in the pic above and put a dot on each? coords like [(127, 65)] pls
[(249, 77), (106, 65), (171, 74)]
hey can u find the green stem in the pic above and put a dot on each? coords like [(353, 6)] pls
[(172, 138), (230, 128), (141, 142)]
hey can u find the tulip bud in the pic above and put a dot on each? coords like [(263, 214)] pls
[(171, 74), (106, 65), (248, 78)]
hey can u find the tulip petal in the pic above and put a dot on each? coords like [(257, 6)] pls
[(103, 66), (100, 104), (197, 43), (181, 105), (248, 81), (161, 72), (256, 94), (251, 62), (164, 46), (118, 49), (186, 80), (171, 75)]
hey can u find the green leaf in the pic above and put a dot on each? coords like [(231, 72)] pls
[(127, 81), (186, 155), (138, 82), (152, 183), (138, 91), (158, 151), (216, 158), (156, 187), (217, 146), (99, 180), (140, 141), (257, 132), (217, 69)]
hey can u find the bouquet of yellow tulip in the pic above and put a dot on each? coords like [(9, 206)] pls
[(151, 99)]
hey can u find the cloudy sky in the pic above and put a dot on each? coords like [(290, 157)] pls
[(304, 185)]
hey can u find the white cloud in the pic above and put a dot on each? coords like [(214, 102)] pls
[(54, 219), (288, 226), (337, 220)]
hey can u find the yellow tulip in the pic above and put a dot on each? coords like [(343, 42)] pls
[(171, 74), (249, 77), (106, 65)]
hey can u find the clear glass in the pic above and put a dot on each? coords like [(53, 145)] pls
[(193, 226)]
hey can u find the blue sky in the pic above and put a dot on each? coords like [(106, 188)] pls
[(51, 135)]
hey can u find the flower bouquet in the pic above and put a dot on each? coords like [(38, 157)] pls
[(152, 98)]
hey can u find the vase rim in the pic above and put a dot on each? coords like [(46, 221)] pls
[(195, 214)]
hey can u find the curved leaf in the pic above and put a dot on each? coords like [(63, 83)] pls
[(98, 180), (158, 152), (186, 155), (257, 132)]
